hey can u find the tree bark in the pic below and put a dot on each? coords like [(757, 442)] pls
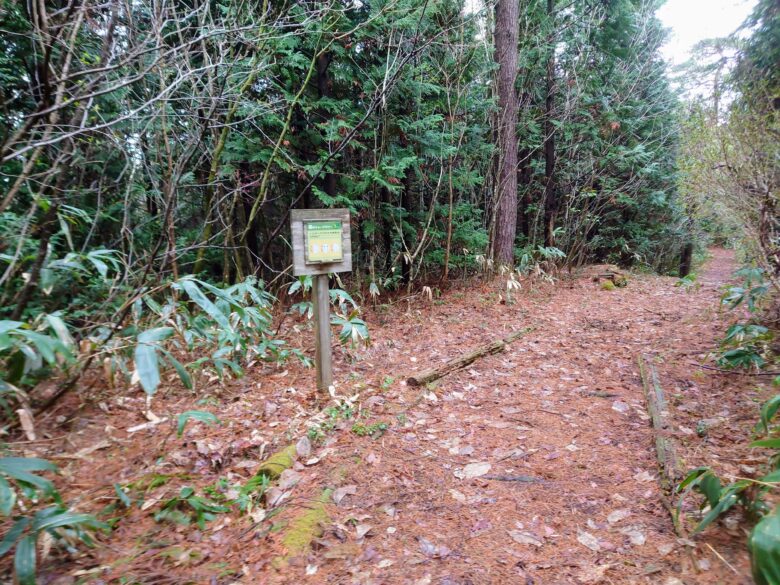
[(550, 187), (506, 37)]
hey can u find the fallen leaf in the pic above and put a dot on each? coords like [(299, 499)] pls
[(288, 479), (473, 470), (303, 447), (458, 496), (431, 550), (346, 490), (588, 540), (362, 529), (635, 535), (521, 537), (665, 549), (618, 515), (384, 563), (26, 420), (274, 496), (644, 476), (593, 574), (620, 407)]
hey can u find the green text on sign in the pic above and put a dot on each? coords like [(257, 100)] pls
[(323, 241)]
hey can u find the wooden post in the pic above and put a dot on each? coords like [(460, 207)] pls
[(321, 245), (324, 359)]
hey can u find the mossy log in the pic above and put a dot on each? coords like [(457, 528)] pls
[(668, 465), (303, 529), (433, 374), (278, 462)]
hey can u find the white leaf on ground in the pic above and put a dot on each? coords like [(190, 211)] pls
[(427, 547), (303, 448), (588, 540), (274, 496), (311, 569), (362, 529), (473, 470), (620, 407), (594, 574), (644, 476), (384, 563), (345, 490), (257, 515), (525, 538), (634, 534), (458, 496), (665, 549), (289, 478), (618, 515), (26, 420)]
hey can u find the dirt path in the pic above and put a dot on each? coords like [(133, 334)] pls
[(563, 407)]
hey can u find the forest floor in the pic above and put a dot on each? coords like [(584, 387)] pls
[(563, 404)]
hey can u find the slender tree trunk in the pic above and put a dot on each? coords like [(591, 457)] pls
[(506, 37), (550, 186), (324, 89), (686, 259)]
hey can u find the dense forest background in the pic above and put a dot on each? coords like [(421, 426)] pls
[(156, 148), (179, 135)]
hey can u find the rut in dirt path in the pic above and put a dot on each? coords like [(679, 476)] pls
[(562, 407)]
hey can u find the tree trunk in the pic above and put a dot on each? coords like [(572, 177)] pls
[(506, 37), (324, 89), (686, 259), (550, 187)]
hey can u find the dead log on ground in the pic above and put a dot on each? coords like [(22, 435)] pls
[(433, 374), (668, 465)]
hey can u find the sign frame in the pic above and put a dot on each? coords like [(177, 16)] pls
[(319, 271), (298, 220)]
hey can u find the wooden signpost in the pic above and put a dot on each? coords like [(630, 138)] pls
[(321, 245)]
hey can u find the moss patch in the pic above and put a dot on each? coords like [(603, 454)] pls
[(303, 529), (278, 462), (607, 285)]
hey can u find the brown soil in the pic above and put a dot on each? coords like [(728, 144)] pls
[(563, 406)]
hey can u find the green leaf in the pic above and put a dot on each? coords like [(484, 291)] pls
[(10, 537), (7, 497), (199, 415), (692, 477), (6, 326), (61, 517), (10, 465), (184, 375), (148, 367), (155, 335), (197, 296), (773, 477), (770, 443), (764, 547), (710, 486), (768, 411), (724, 505), (24, 560), (59, 327), (123, 497)]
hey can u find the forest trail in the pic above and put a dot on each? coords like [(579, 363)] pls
[(563, 406)]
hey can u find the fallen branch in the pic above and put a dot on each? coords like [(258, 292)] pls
[(666, 456), (741, 373), (428, 376), (520, 478)]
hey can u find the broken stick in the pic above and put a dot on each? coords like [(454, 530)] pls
[(668, 465), (433, 374)]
